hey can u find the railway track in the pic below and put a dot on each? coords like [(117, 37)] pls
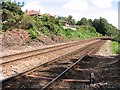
[(22, 55), (22, 62), (53, 70)]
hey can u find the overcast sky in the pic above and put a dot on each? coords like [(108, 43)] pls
[(77, 8)]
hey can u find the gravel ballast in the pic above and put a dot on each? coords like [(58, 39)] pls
[(23, 65)]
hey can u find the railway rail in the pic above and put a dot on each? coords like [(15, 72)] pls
[(55, 69), (24, 62), (22, 55)]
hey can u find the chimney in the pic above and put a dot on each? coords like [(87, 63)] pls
[(26, 11)]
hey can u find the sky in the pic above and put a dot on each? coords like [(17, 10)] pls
[(90, 9)]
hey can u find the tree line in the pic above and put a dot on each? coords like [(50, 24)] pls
[(101, 25)]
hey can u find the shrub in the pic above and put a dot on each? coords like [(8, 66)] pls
[(32, 33)]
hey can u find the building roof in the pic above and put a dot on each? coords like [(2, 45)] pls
[(32, 12), (63, 21)]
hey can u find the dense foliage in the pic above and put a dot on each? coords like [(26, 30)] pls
[(81, 32), (115, 46), (101, 25), (11, 15)]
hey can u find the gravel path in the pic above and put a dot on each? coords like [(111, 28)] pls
[(105, 49)]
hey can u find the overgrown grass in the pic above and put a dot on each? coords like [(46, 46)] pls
[(81, 32), (115, 46)]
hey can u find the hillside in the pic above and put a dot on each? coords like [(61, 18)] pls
[(31, 27)]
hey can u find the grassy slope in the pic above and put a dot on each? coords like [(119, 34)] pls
[(81, 32), (115, 46)]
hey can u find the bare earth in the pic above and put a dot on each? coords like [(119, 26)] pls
[(106, 67)]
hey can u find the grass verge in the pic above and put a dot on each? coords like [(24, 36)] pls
[(115, 46)]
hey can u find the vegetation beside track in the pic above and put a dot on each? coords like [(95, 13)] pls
[(115, 46)]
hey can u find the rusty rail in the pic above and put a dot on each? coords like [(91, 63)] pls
[(54, 48), (73, 65)]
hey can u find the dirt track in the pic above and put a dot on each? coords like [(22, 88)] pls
[(105, 50)]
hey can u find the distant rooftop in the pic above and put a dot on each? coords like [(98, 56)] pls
[(32, 12)]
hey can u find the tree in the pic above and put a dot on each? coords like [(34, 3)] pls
[(12, 7), (102, 26), (11, 15), (90, 22), (73, 22), (83, 21), (70, 20), (70, 17), (21, 4)]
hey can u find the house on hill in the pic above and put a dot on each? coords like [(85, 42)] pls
[(65, 23), (32, 12)]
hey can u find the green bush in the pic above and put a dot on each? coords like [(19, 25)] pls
[(115, 46), (32, 33)]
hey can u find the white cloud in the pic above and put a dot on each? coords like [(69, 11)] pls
[(36, 5), (112, 17), (78, 9), (102, 3), (115, 0), (76, 5), (33, 6)]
